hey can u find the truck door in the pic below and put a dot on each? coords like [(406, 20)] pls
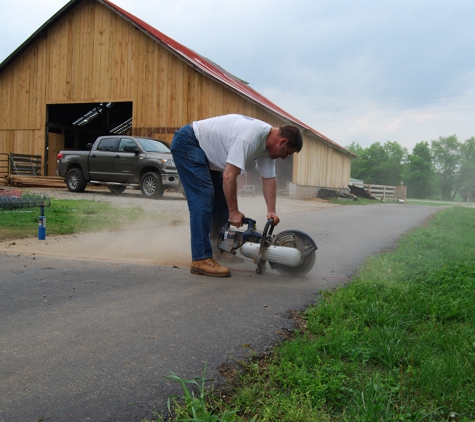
[(101, 160), (126, 163)]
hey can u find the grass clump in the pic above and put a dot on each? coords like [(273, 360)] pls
[(197, 403), (395, 344), (66, 217)]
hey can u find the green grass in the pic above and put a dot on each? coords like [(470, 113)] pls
[(395, 344), (67, 217), (434, 203), (431, 203)]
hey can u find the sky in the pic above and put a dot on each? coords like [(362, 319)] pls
[(356, 71)]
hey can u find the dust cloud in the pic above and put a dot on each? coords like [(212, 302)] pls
[(159, 245), (163, 240)]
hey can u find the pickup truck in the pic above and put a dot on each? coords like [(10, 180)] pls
[(121, 161)]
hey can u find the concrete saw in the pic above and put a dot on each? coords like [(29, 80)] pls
[(291, 252)]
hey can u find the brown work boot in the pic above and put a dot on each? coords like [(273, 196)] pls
[(209, 267)]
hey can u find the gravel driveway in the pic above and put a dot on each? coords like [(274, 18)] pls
[(165, 241), (175, 204)]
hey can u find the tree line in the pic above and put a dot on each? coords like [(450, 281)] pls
[(442, 169)]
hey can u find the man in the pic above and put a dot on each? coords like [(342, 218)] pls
[(209, 155)]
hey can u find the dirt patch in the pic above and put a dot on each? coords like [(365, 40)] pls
[(164, 245)]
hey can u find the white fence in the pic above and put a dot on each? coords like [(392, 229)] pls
[(386, 193)]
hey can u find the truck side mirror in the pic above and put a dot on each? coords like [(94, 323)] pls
[(129, 148)]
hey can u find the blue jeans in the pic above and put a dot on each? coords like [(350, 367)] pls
[(204, 192)]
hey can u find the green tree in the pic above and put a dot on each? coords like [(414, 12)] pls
[(393, 168), (446, 152), (358, 164), (419, 174), (467, 168), (379, 164)]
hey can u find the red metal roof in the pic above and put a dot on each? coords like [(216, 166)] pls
[(217, 73)]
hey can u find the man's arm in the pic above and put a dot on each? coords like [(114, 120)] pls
[(269, 189), (230, 175)]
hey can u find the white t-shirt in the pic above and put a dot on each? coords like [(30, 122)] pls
[(237, 140)]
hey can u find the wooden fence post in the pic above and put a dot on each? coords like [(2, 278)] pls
[(400, 193)]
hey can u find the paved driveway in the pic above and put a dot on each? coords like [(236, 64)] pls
[(91, 340)]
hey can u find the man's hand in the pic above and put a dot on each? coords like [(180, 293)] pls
[(235, 218), (274, 216)]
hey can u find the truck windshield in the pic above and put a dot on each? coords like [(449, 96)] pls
[(153, 145)]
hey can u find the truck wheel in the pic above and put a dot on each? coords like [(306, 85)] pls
[(75, 180), (116, 190), (151, 185)]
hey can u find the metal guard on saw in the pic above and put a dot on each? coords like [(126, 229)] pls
[(230, 240)]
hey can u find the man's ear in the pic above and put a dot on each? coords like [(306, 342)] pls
[(283, 141)]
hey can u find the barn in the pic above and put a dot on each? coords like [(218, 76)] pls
[(94, 69)]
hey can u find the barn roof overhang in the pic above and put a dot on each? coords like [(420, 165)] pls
[(196, 61)]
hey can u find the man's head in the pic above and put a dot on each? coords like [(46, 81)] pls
[(284, 141), (293, 135)]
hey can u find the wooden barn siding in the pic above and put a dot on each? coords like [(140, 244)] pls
[(22, 112), (170, 93), (93, 55), (22, 141), (90, 57), (319, 165), (19, 94)]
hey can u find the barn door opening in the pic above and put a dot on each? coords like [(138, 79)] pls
[(74, 126), (250, 182), (284, 171)]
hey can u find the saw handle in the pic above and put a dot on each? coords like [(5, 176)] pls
[(265, 234), (270, 221), (251, 224)]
